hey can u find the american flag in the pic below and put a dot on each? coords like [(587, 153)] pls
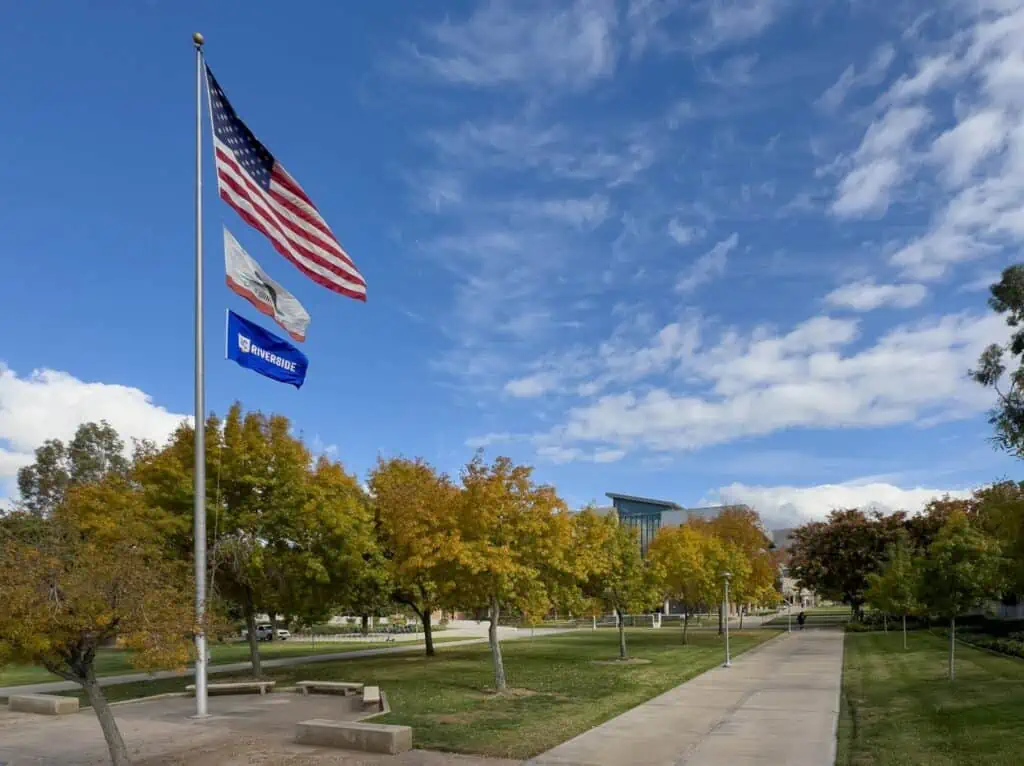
[(269, 199)]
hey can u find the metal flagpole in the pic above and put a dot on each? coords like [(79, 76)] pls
[(199, 472)]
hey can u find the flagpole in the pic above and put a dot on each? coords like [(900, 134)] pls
[(199, 472)]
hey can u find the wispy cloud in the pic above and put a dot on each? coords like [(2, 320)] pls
[(530, 46), (851, 79), (708, 266), (868, 296)]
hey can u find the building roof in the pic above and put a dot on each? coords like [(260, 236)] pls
[(649, 500)]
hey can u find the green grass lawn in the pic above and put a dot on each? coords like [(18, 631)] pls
[(557, 689), (113, 661), (899, 709)]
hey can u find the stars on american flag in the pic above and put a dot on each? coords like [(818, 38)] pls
[(250, 153)]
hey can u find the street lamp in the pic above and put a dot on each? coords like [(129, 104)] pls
[(725, 612)]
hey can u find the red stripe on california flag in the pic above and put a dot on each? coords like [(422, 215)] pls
[(319, 279), (268, 225), (341, 265), (262, 306)]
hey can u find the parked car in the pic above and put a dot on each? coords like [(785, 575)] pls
[(263, 633)]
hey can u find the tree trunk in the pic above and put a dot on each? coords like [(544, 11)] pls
[(273, 626), (885, 622), (428, 632), (364, 624), (492, 639), (686, 624), (115, 743), (721, 629), (741, 617), (952, 648), (904, 631), (622, 636), (250, 630), (593, 622)]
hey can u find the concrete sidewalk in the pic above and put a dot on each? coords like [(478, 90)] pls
[(777, 704), (51, 687)]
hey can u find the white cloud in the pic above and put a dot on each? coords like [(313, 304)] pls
[(681, 234), (487, 440), (708, 266), (531, 386), (868, 296), (732, 21), (764, 382), (851, 80), (880, 162), (504, 43), (977, 203), (792, 506), (51, 405)]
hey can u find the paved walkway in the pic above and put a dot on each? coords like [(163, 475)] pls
[(777, 704), (234, 667)]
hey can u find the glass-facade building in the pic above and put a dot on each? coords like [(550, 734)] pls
[(649, 515)]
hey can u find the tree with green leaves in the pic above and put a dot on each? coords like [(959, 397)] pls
[(894, 590), (962, 568), (95, 451), (414, 509), (1006, 377), (512, 545), (93, 570), (684, 559), (622, 582)]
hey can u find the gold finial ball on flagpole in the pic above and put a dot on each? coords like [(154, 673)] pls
[(197, 38)]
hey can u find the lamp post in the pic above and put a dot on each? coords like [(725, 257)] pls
[(725, 612)]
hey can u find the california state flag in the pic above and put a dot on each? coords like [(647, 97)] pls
[(250, 281)]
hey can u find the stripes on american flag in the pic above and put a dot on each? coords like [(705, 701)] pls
[(270, 200)]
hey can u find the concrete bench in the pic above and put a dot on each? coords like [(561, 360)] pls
[(45, 704), (236, 687), (329, 687), (351, 735), (371, 698)]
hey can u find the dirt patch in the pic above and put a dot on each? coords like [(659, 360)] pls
[(509, 692), (630, 661)]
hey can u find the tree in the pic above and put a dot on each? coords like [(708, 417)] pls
[(286, 535), (835, 557), (95, 451), (894, 590), (999, 510), (753, 582), (961, 569), (73, 584), (416, 529), (684, 559), (513, 541), (1007, 418), (623, 582)]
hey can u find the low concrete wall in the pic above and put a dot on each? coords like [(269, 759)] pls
[(350, 735), (45, 704)]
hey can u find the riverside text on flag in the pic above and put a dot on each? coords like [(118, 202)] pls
[(269, 199), (245, 277), (263, 352)]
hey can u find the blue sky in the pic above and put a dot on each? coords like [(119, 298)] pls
[(728, 250)]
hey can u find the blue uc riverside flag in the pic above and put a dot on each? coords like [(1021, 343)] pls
[(260, 350)]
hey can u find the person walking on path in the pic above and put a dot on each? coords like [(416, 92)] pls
[(801, 618)]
